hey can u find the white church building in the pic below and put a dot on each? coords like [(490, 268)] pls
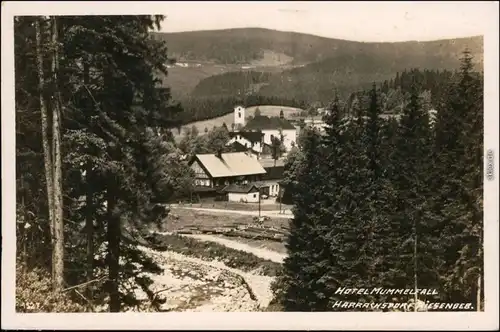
[(268, 127)]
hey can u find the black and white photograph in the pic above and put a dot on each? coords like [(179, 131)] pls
[(200, 158)]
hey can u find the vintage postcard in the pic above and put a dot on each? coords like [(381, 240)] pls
[(250, 165)]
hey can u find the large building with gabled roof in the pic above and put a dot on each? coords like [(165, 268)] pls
[(219, 170), (234, 173)]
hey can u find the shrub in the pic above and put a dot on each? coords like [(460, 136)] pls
[(34, 293), (273, 307)]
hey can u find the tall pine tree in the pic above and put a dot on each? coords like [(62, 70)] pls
[(305, 266), (459, 143), (416, 264)]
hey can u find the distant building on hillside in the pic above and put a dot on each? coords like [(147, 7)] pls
[(315, 122)]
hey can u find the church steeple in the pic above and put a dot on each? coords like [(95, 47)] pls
[(239, 116)]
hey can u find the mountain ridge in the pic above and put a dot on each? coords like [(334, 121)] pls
[(312, 35), (300, 62), (218, 44)]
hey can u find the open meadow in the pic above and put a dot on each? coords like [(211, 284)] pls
[(180, 218), (267, 110), (266, 205), (227, 228)]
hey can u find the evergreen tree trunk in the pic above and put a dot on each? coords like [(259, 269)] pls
[(58, 248), (25, 215), (415, 278), (478, 296), (89, 227), (89, 219), (113, 237), (47, 149)]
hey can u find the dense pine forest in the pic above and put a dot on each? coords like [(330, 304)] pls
[(381, 203), (317, 86), (216, 96), (92, 153), (378, 203), (213, 106)]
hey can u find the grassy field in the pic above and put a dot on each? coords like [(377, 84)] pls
[(267, 110), (270, 245), (272, 59), (182, 80), (264, 206), (209, 250), (180, 218)]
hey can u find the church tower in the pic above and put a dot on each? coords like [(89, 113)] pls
[(239, 117)]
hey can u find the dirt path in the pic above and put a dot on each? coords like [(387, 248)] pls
[(259, 252), (260, 285), (271, 214)]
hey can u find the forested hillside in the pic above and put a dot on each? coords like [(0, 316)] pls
[(315, 81), (232, 83), (395, 94), (301, 64), (347, 74), (226, 64), (247, 44)]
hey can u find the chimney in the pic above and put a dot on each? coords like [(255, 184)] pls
[(219, 153)]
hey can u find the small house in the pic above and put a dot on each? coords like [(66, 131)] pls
[(247, 193)]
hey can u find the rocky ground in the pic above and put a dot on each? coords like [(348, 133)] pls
[(204, 277), (192, 284)]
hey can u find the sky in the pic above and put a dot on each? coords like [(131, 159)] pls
[(359, 21)]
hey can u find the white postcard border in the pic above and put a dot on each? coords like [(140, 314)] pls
[(234, 321)]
